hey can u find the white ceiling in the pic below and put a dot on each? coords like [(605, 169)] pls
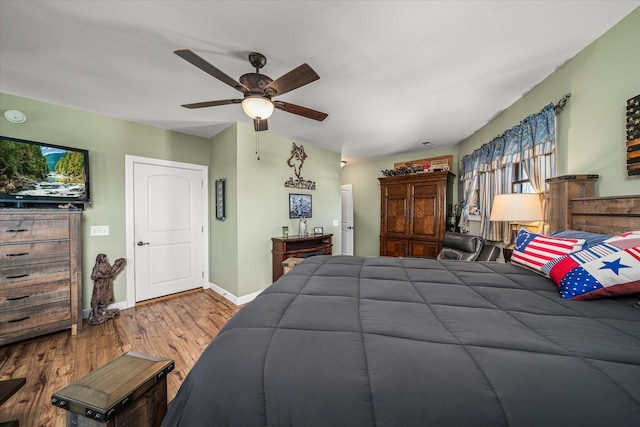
[(393, 74)]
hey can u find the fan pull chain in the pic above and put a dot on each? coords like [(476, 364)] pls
[(258, 145)]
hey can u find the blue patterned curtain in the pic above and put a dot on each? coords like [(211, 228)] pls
[(469, 178), (531, 142), (542, 163)]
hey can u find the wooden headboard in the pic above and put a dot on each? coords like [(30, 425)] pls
[(573, 205), (605, 215)]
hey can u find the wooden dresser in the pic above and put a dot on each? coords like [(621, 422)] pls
[(40, 272), (297, 247), (413, 213)]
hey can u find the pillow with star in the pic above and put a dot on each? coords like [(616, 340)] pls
[(609, 269)]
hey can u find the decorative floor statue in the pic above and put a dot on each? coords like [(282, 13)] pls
[(102, 275)]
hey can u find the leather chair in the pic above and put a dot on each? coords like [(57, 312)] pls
[(461, 247), (488, 253)]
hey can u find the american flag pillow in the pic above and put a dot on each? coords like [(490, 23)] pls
[(609, 269), (533, 250)]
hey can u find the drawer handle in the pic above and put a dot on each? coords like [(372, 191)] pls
[(17, 276), (19, 254), (18, 320), (17, 230), (17, 298)]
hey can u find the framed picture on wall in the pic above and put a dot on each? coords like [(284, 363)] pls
[(220, 199), (299, 205)]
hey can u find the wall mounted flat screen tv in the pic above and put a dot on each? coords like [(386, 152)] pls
[(34, 173)]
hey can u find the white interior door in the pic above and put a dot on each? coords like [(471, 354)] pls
[(347, 219), (168, 229)]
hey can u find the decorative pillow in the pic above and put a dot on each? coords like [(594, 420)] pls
[(592, 239), (609, 269), (533, 250), (630, 239)]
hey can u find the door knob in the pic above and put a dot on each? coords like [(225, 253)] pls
[(142, 243)]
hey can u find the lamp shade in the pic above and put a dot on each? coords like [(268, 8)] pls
[(257, 107), (517, 207)]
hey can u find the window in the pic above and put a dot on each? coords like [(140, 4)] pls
[(520, 181), (474, 207)]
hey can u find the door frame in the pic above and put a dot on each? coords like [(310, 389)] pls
[(349, 188), (130, 161)]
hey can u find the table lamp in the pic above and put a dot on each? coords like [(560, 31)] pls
[(517, 209)]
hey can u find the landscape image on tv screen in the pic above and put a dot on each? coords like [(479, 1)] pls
[(38, 171)]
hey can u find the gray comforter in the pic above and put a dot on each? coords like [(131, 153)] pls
[(353, 341)]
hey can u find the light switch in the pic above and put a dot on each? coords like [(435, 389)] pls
[(336, 222), (99, 230)]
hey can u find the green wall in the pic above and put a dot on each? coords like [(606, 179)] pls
[(366, 196), (590, 131), (257, 203), (223, 235), (108, 140), (240, 246)]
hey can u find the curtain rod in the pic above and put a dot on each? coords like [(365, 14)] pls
[(560, 105), (556, 108)]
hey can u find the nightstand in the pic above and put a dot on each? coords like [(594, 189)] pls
[(507, 251)]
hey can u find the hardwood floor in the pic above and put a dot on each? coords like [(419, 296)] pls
[(178, 328)]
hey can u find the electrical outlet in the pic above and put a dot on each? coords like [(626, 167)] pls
[(99, 230)]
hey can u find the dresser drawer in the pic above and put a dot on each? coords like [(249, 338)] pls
[(38, 316), (33, 229), (21, 297), (33, 274), (34, 253)]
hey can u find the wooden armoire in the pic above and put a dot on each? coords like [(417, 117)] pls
[(413, 213)]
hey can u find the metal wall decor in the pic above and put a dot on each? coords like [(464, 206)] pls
[(296, 161), (220, 214), (633, 136)]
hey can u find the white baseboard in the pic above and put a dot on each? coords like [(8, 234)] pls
[(234, 299), (228, 295)]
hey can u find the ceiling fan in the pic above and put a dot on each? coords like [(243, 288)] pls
[(258, 89)]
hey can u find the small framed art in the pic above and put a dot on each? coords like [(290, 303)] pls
[(220, 199), (300, 205), (318, 231)]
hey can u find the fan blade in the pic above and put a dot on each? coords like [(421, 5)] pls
[(212, 103), (301, 111), (295, 78), (195, 59), (260, 125)]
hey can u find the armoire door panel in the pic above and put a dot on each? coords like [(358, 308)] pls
[(423, 222), (395, 191), (396, 216), (422, 190), (423, 249), (393, 247)]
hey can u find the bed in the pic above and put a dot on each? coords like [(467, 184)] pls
[(378, 341)]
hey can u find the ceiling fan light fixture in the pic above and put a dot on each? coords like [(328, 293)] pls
[(257, 107)]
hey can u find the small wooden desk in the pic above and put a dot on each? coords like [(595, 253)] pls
[(7, 389), (298, 247)]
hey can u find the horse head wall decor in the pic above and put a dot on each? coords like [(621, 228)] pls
[(296, 161)]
